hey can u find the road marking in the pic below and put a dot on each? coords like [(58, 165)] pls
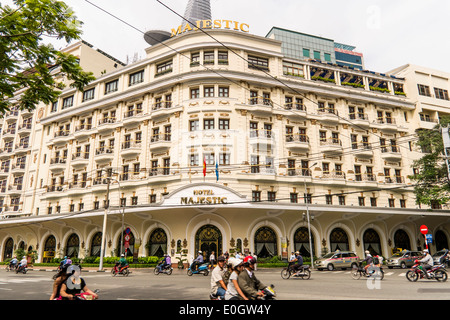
[(402, 274), (389, 274)]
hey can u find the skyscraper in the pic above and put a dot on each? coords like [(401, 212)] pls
[(197, 10)]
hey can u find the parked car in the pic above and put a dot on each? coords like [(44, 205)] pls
[(437, 257), (338, 259), (403, 259)]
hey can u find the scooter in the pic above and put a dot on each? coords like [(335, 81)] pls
[(202, 269), (167, 269), (269, 293), (22, 269), (118, 270), (85, 295)]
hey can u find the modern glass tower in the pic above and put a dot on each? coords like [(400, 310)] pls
[(197, 10)]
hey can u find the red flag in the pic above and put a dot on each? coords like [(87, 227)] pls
[(204, 167)]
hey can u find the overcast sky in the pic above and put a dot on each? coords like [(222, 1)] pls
[(390, 33)]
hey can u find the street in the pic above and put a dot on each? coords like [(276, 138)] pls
[(142, 284)]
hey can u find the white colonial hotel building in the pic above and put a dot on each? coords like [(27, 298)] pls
[(348, 135)]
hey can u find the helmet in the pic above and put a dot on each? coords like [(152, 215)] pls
[(425, 250), (249, 260), (297, 252), (221, 258), (235, 262), (367, 251), (199, 251)]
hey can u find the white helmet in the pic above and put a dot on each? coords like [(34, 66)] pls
[(425, 250), (235, 262)]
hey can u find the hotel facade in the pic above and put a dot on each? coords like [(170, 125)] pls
[(216, 147)]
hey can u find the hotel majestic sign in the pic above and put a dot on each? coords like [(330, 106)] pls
[(211, 24), (203, 197)]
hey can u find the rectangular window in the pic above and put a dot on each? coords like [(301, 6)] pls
[(441, 94), (194, 125), (329, 199), (402, 203), (327, 57), (341, 200), (195, 93), (195, 59), (209, 159), (294, 197), (256, 196), (258, 63), (293, 69), (208, 92), (136, 78), (224, 92), (223, 57), (164, 67), (224, 124), (373, 202), (193, 160), (391, 203), (361, 201), (208, 124), (208, 57), (317, 55), (224, 159), (111, 86), (67, 102), (271, 196), (88, 94), (424, 90), (306, 53), (54, 106)]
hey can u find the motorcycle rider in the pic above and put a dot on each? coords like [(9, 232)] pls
[(13, 263), (197, 262), (67, 261), (74, 284), (23, 263), (427, 261), (368, 260), (123, 263), (298, 261), (167, 261), (218, 286), (247, 280)]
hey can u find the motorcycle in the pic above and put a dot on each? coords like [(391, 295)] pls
[(118, 270), (417, 272), (304, 272), (12, 266), (167, 269), (85, 295), (269, 293), (375, 272), (22, 269), (202, 269)]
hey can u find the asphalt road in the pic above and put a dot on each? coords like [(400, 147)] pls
[(144, 285)]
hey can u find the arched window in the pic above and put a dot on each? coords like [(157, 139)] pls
[(301, 242), (372, 242), (96, 245), (9, 248), (339, 240), (49, 248), (73, 246), (157, 244), (401, 240), (441, 240), (266, 243)]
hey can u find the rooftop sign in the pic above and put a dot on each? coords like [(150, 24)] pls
[(212, 24)]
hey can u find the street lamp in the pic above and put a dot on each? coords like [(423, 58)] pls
[(307, 216)]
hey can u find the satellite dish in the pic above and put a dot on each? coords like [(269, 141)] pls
[(153, 37)]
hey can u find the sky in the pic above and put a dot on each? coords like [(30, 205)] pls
[(390, 33)]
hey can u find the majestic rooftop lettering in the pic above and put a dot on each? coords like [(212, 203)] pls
[(211, 24)]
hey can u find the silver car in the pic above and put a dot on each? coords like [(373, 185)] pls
[(437, 257), (403, 259), (338, 259)]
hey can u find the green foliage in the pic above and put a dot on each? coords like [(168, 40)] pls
[(432, 180), (25, 61)]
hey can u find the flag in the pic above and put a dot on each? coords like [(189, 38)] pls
[(204, 168), (217, 170)]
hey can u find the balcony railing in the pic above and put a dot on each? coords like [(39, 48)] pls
[(299, 172), (159, 171), (161, 137), (260, 101), (107, 120), (364, 177), (162, 105), (296, 137), (262, 133), (132, 113), (394, 179)]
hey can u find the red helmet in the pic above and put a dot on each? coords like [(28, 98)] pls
[(249, 260)]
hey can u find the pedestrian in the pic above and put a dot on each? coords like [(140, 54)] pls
[(212, 260), (256, 260)]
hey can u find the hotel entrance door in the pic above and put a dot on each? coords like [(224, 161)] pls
[(208, 239)]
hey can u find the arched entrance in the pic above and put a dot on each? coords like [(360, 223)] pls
[(9, 248), (96, 245), (401, 240), (441, 240), (266, 243), (338, 240), (208, 239), (301, 242), (73, 246), (157, 244), (49, 248), (372, 242)]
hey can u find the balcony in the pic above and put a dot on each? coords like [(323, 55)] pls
[(162, 108), (107, 124), (391, 153), (296, 110), (328, 115), (133, 117), (334, 178), (297, 142), (261, 137), (15, 189), (24, 129), (80, 159), (22, 148), (9, 134), (362, 150), (302, 173), (394, 180), (331, 145), (104, 154), (18, 168), (79, 187), (359, 119), (131, 149), (385, 124), (365, 180), (4, 172), (6, 152), (165, 174), (82, 131), (160, 141), (58, 164), (259, 105), (61, 137)]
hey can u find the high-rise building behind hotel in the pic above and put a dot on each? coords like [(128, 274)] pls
[(197, 10)]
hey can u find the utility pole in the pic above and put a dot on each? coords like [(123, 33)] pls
[(446, 140), (102, 251), (308, 217)]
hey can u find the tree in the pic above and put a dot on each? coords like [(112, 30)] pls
[(433, 187), (26, 61)]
